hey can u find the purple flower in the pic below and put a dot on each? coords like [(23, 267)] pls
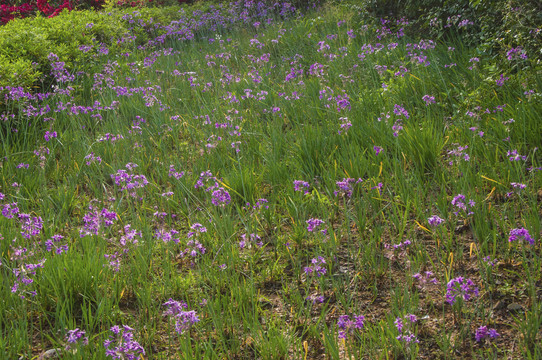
[(459, 286), (30, 226), (220, 197), (424, 279), (121, 345), (377, 150), (184, 320), (300, 185), (347, 325), (459, 201), (519, 234), (514, 156), (428, 99), (404, 326), (75, 336), (345, 186), (435, 221), (49, 135), (317, 267), (313, 223), (483, 333)]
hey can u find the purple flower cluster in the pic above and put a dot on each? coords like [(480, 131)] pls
[(520, 234), (173, 173), (95, 221), (462, 288), (30, 226), (184, 320), (405, 327), (252, 238), (346, 187), (300, 185), (129, 181), (121, 344), (347, 326), (425, 278), (434, 220), (483, 333), (515, 156), (429, 99), (459, 154), (167, 236), (23, 278), (52, 243), (313, 223), (463, 206), (317, 267), (74, 338), (91, 159), (516, 53), (220, 197)]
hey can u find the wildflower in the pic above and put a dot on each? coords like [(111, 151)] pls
[(501, 80), (193, 248), (516, 53), (377, 150), (424, 279), (428, 99), (300, 185), (514, 156), (405, 332), (459, 286), (520, 234), (49, 135), (459, 201), (483, 333), (30, 226), (184, 320), (252, 238), (313, 223), (347, 325), (75, 336), (317, 267), (345, 125), (435, 220), (220, 197), (121, 344), (345, 186)]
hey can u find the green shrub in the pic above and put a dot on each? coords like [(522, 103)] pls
[(26, 43)]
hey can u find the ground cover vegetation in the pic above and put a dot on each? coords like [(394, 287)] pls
[(271, 180)]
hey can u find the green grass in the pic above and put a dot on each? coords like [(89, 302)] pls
[(257, 300)]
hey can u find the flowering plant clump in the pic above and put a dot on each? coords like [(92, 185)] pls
[(405, 327), (129, 181), (247, 240), (95, 221), (346, 187), (425, 278), (519, 234), (300, 185), (184, 320), (121, 344), (347, 326), (317, 267), (435, 220), (463, 206), (74, 338), (483, 332), (462, 288)]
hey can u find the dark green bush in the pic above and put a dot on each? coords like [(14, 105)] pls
[(497, 25)]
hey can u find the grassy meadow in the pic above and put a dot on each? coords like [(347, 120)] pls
[(256, 181)]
